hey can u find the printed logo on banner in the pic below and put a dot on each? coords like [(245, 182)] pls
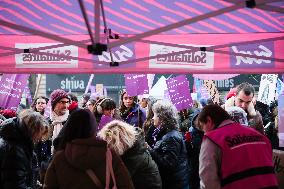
[(119, 54), (193, 60), (38, 60), (263, 49)]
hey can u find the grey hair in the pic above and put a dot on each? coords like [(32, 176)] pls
[(167, 114), (33, 121), (119, 135), (238, 115)]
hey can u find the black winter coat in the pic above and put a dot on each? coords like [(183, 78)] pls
[(16, 156), (142, 168), (171, 157)]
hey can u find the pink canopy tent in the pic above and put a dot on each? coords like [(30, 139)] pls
[(141, 36)]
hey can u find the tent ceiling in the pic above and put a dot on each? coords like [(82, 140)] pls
[(62, 20)]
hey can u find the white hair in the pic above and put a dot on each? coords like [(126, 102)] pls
[(238, 115), (120, 136), (166, 112)]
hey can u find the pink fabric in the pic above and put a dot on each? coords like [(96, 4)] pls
[(230, 139)]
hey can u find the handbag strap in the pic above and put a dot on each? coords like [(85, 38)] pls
[(109, 170), (94, 178)]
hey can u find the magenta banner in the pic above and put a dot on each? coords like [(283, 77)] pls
[(136, 84), (11, 88), (179, 92)]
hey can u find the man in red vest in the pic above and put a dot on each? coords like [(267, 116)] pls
[(233, 156)]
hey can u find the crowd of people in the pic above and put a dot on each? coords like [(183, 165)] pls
[(143, 143)]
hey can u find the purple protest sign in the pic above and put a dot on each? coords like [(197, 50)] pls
[(179, 92), (11, 89), (136, 84)]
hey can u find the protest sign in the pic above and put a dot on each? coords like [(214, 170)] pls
[(136, 84), (267, 88), (11, 88), (179, 92)]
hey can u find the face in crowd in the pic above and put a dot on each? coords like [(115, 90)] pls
[(40, 104), (128, 101), (143, 102), (61, 106), (90, 105), (243, 101)]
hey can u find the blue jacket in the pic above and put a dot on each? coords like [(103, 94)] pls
[(171, 157), (131, 116)]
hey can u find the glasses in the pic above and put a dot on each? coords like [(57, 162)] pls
[(64, 102)]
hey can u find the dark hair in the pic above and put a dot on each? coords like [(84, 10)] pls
[(215, 112), (80, 124), (122, 107), (92, 101), (33, 106), (107, 104), (72, 96), (150, 114), (246, 87), (86, 96)]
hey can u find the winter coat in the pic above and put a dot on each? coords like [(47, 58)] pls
[(16, 156), (132, 116), (142, 168), (67, 169), (171, 157), (193, 149), (154, 134)]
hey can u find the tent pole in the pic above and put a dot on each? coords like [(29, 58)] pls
[(37, 86)]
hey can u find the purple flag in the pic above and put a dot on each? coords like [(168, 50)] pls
[(136, 84), (28, 94), (11, 89), (179, 92), (281, 120)]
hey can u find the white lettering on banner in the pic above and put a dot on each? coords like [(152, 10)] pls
[(135, 76), (192, 60), (51, 60), (72, 84), (247, 60), (119, 55)]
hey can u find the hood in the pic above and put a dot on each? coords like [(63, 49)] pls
[(11, 130), (86, 153)]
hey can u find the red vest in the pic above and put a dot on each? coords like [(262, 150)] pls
[(246, 157)]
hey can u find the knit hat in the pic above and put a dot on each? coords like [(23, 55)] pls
[(56, 96)]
